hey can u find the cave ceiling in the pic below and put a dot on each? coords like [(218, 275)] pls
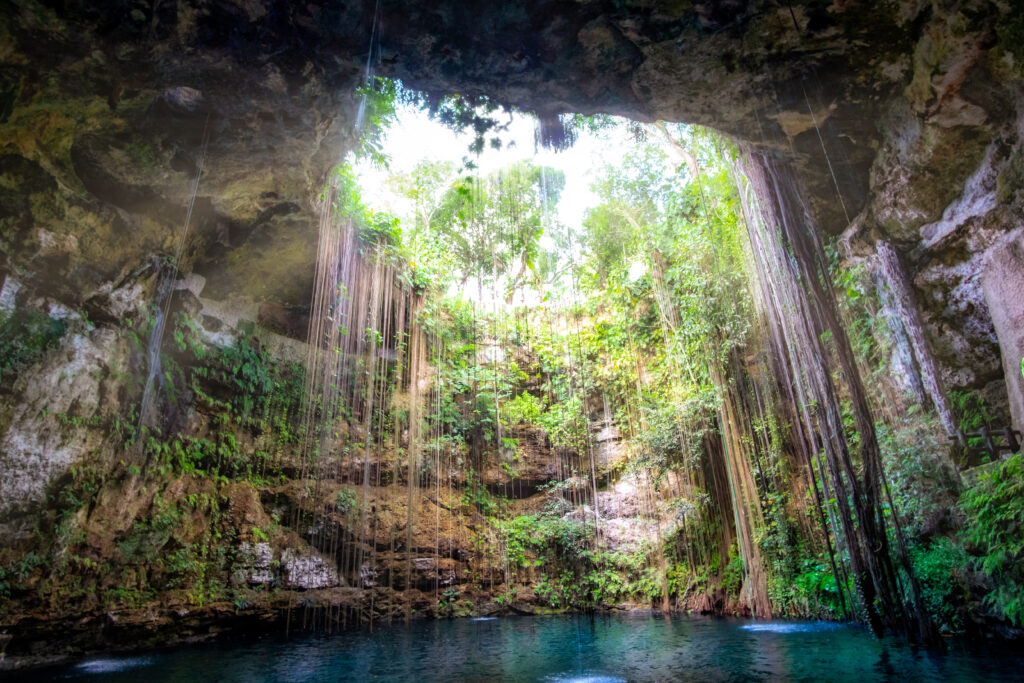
[(883, 108)]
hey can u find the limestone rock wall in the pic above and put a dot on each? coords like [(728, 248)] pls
[(900, 118), (1003, 283)]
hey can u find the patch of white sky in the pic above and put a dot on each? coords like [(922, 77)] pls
[(415, 137)]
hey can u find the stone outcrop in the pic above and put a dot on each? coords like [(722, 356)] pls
[(46, 431), (1003, 282)]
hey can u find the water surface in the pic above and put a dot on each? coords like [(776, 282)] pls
[(619, 647)]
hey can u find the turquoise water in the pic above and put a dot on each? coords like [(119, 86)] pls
[(621, 647)]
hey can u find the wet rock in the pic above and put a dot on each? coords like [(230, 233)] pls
[(368, 576), (179, 101), (253, 564), (307, 572), (49, 429)]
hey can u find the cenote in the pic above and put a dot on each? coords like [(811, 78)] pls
[(605, 648), (541, 340)]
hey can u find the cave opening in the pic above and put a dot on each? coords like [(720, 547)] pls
[(459, 290)]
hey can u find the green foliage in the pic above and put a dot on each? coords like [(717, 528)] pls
[(971, 414), (533, 540), (187, 337), (243, 387), (148, 537), (732, 577), (217, 456), (143, 153), (564, 590), (488, 228), (663, 439), (915, 458), (446, 604), (993, 532), (1010, 30), (379, 101), (567, 425), (346, 502), (13, 577), (245, 370), (524, 408), (941, 568), (478, 114), (477, 494), (573, 575), (970, 410), (181, 547), (24, 337)]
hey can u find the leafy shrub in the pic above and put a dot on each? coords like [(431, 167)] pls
[(555, 539), (345, 502), (815, 583), (971, 414), (446, 603), (923, 484), (246, 370), (940, 569), (994, 532), (563, 591), (662, 438), (567, 425), (219, 455), (732, 578), (13, 577), (523, 409), (476, 493)]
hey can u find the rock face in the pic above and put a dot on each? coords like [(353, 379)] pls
[(46, 432), (308, 572), (1003, 281)]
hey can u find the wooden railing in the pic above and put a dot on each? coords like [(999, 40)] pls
[(995, 442)]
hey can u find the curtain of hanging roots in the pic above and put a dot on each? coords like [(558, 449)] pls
[(796, 290)]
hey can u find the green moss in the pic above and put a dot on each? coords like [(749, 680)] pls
[(143, 153), (24, 337), (1010, 32), (10, 90)]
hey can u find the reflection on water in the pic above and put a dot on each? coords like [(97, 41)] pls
[(111, 664), (584, 677), (621, 647), (791, 626)]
